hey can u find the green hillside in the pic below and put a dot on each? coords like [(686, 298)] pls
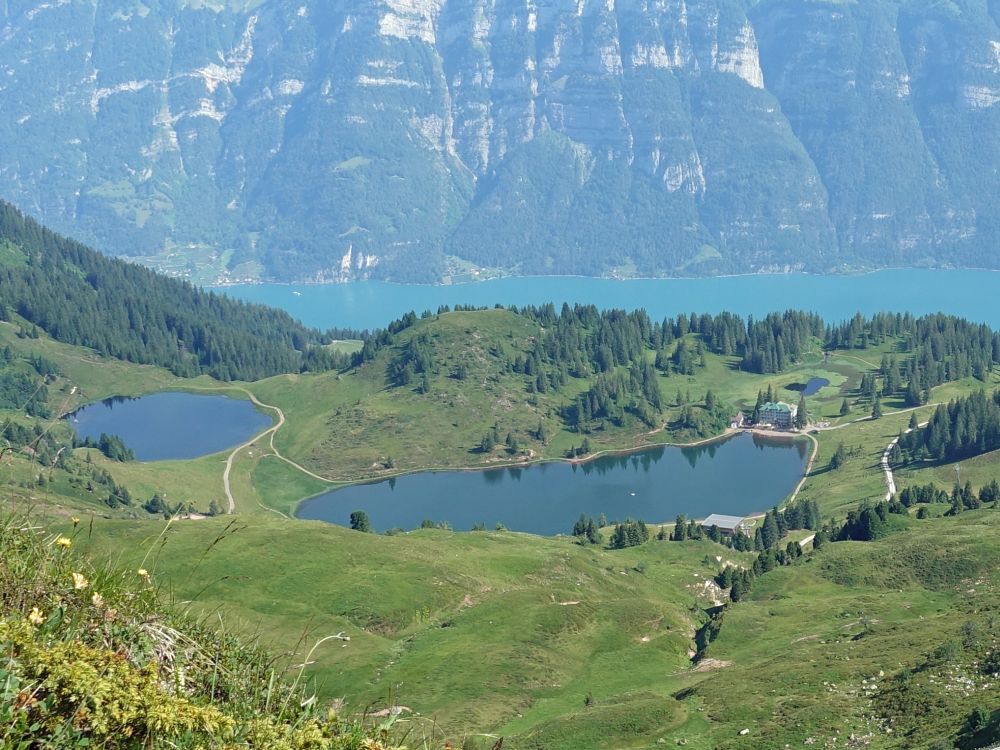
[(548, 643), (125, 311), (553, 645)]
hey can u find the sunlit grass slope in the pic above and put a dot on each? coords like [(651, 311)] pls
[(553, 645)]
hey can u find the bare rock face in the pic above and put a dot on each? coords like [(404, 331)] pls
[(338, 139)]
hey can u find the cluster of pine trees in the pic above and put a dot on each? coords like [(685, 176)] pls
[(709, 419), (867, 523), (586, 529), (615, 395), (122, 310), (512, 445), (111, 446), (414, 359), (158, 505), (47, 449), (935, 349), (801, 515), (928, 493), (629, 533), (777, 341), (964, 427), (739, 581), (23, 383), (964, 498), (23, 391)]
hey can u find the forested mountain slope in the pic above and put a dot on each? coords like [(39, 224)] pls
[(408, 138), (125, 311)]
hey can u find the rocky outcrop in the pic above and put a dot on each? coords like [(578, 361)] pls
[(335, 140)]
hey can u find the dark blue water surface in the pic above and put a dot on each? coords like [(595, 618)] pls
[(814, 385), (373, 304), (738, 476), (172, 425)]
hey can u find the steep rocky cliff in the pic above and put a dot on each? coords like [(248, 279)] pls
[(333, 139)]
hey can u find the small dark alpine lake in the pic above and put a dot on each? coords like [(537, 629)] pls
[(738, 476), (173, 425), (814, 385)]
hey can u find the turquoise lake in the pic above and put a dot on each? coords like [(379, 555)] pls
[(373, 304), (172, 426), (738, 476)]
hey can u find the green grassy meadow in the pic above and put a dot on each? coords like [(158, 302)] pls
[(542, 641), (507, 634)]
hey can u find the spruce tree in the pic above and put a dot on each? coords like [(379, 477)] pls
[(801, 415), (593, 534), (680, 529), (845, 408), (360, 522), (839, 457), (619, 540), (770, 533), (877, 408)]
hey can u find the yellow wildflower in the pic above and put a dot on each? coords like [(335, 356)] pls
[(79, 582), (64, 541), (97, 600), (36, 617), (143, 573), (76, 520)]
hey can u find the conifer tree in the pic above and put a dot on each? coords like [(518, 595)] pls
[(770, 533), (360, 522), (680, 529), (801, 415)]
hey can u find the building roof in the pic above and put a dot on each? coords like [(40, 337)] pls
[(723, 522), (779, 406)]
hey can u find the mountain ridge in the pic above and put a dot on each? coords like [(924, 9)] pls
[(416, 139)]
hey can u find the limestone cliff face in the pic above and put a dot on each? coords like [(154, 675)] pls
[(337, 139)]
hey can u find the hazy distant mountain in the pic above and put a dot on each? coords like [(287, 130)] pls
[(330, 139)]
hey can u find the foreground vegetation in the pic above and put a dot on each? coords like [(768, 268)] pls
[(90, 657)]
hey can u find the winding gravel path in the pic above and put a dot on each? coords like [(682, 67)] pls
[(269, 433), (890, 480)]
